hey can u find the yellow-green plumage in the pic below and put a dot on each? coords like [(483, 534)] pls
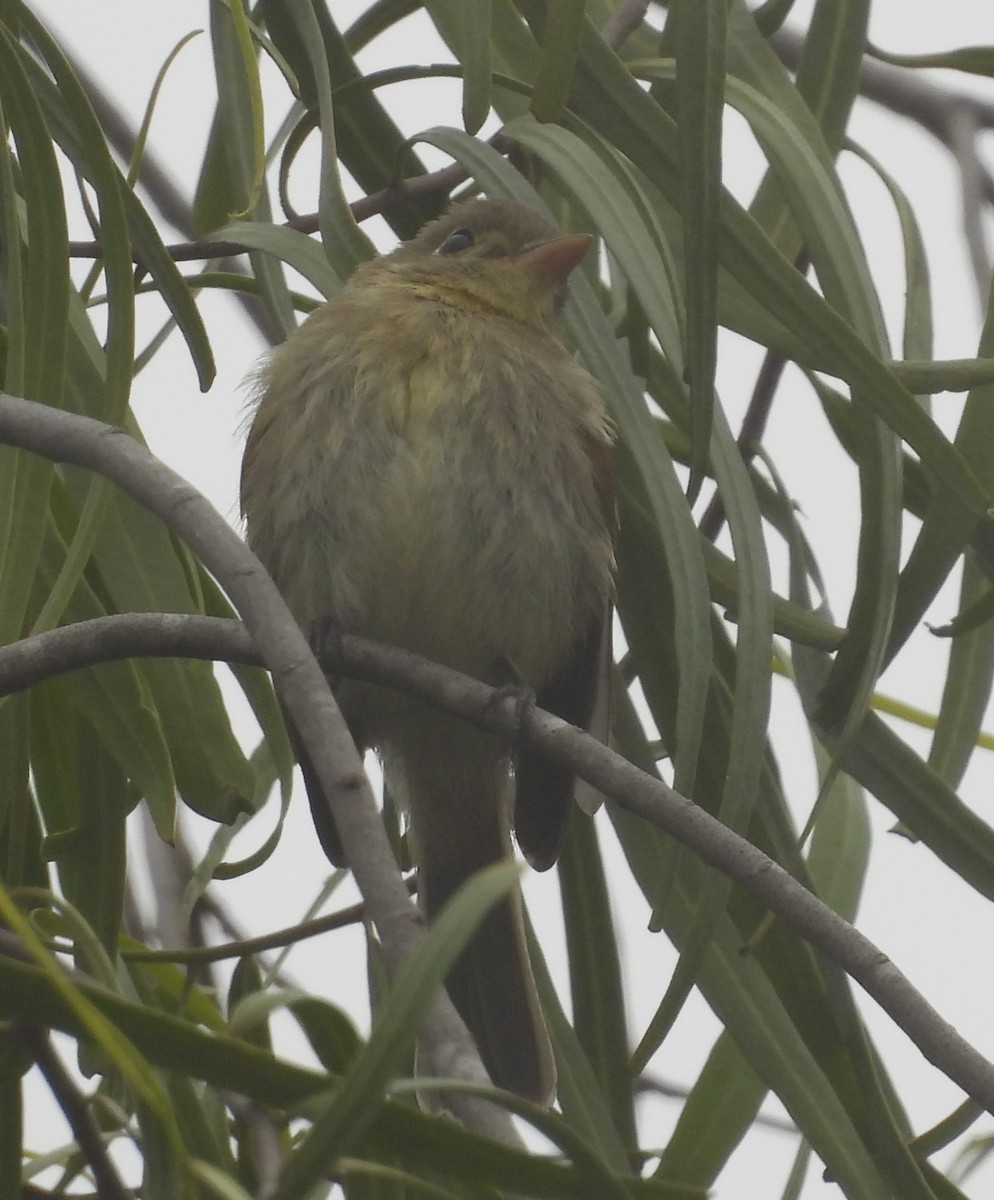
[(428, 467)]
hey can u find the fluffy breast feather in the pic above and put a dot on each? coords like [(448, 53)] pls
[(426, 499)]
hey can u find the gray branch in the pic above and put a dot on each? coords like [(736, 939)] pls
[(204, 637), (67, 437)]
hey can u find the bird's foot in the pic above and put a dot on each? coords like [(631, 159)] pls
[(325, 638), (516, 690)]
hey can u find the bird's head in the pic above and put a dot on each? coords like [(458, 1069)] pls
[(490, 254)]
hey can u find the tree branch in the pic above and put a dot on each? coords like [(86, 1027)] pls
[(963, 131), (77, 1112), (900, 90), (441, 181), (67, 437), (624, 783)]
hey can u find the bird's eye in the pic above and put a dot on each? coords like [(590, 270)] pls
[(456, 242)]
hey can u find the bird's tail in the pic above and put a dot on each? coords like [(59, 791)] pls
[(456, 783)]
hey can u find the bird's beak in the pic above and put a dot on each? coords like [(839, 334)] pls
[(549, 263)]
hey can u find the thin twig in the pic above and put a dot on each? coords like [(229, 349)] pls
[(899, 89), (354, 914), (963, 143), (152, 174), (159, 184), (751, 434), (650, 1085), (77, 1112), (436, 182), (31, 1191), (623, 22)]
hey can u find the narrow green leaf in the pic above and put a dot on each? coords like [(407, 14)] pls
[(969, 619), (344, 243), (329, 1030), (110, 190), (113, 702), (609, 193), (867, 1092), (976, 60), (112, 699), (242, 90), (46, 276), (918, 306), (165, 1040), (598, 1179), (377, 19), (827, 78), (289, 246), (966, 690), (847, 690), (13, 1063), (140, 572), (36, 288), (560, 46), (91, 852), (20, 837), (916, 795), (217, 1182), (204, 871), (141, 137), (394, 1030), (789, 620), (771, 14), (819, 99), (231, 176), (944, 375), (579, 1091), (221, 869), (840, 845), (232, 183), (947, 526), (949, 1128), (798, 1173), (700, 90), (595, 977), (715, 1117), (750, 710), (474, 58), (247, 980), (204, 1137), (219, 194)]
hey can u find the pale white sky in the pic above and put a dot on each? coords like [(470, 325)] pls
[(943, 939)]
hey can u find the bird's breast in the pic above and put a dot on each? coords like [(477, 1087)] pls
[(445, 499)]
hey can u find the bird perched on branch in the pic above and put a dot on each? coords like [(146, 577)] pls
[(430, 467)]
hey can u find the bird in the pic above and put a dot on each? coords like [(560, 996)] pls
[(429, 466)]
